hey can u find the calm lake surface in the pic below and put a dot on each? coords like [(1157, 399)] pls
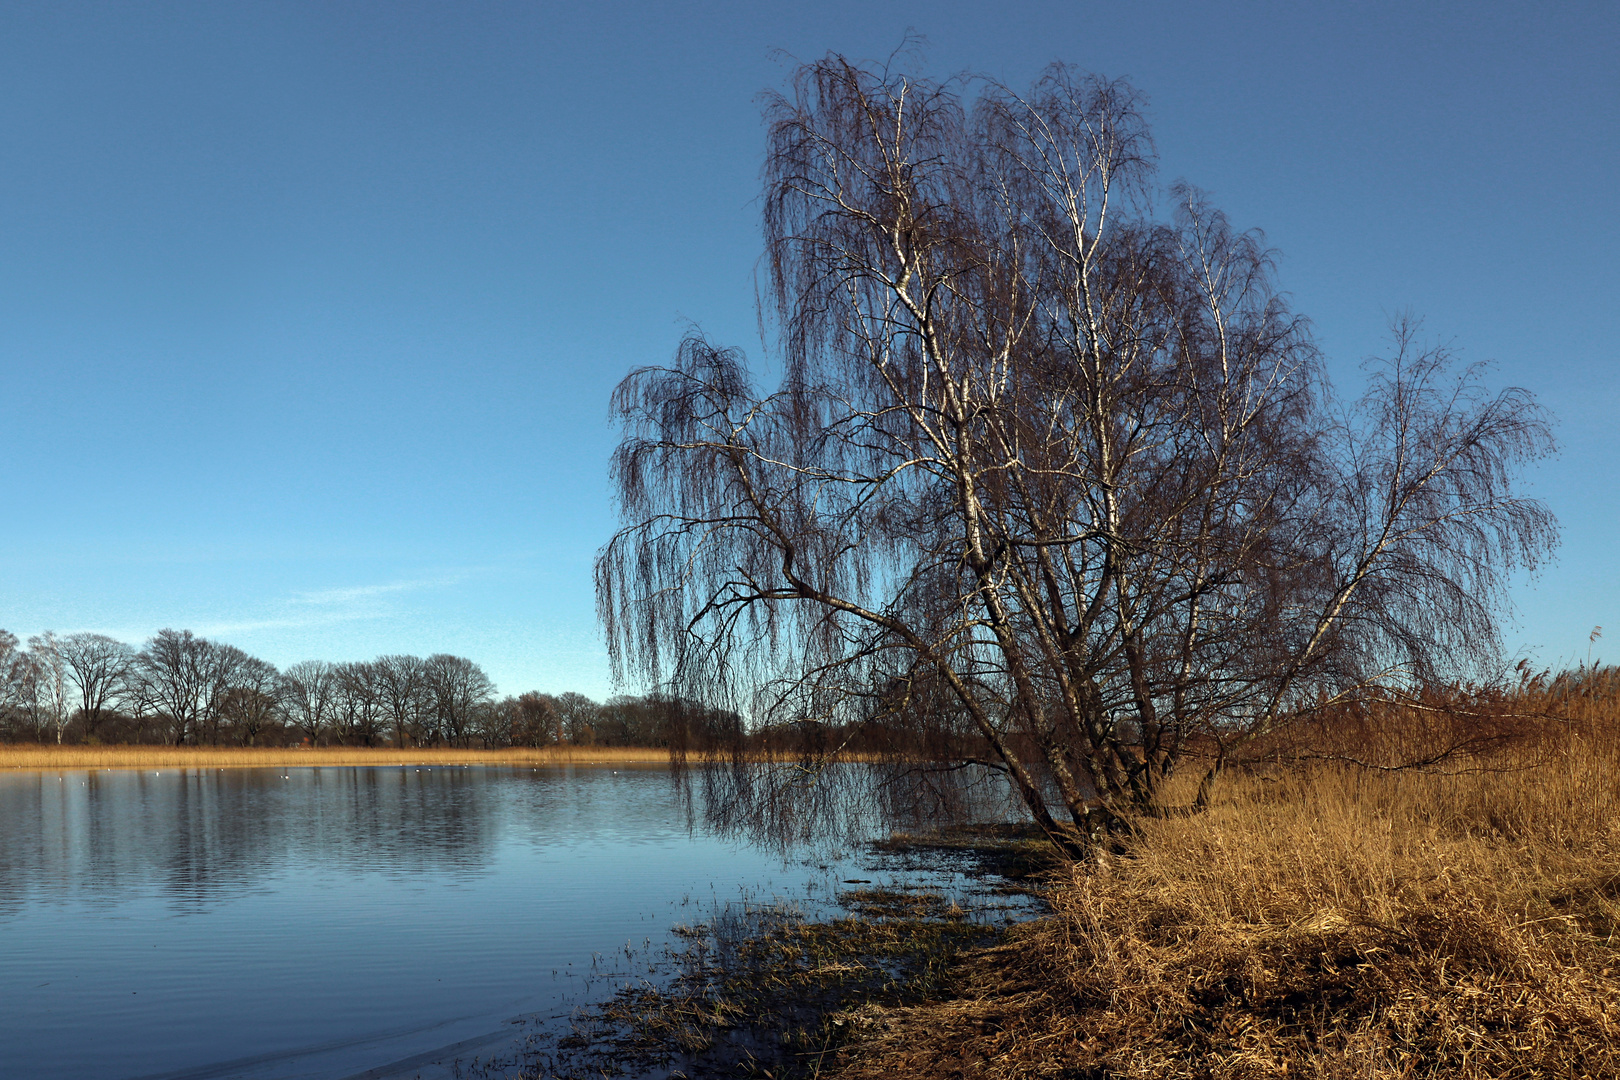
[(336, 922)]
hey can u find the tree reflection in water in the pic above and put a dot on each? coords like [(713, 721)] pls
[(206, 831), (781, 805)]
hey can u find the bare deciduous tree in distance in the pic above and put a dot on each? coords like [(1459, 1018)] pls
[(98, 666), (10, 675), (535, 721), (359, 711), (402, 686), (224, 665), (458, 689), (1074, 467), (50, 697), (309, 692), (173, 679), (576, 717), (251, 703)]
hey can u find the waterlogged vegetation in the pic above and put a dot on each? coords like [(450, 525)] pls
[(771, 990), (758, 988)]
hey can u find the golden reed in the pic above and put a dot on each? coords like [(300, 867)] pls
[(1326, 920)]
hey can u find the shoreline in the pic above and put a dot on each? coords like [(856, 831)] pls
[(769, 991), (1325, 922), (37, 757)]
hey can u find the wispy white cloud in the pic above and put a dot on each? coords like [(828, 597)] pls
[(301, 610), (295, 614), (304, 622), (224, 628), (354, 593)]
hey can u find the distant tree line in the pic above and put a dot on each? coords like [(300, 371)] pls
[(181, 689)]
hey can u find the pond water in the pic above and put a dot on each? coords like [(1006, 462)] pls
[(337, 922)]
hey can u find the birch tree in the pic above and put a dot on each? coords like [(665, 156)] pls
[(1035, 448), (55, 692)]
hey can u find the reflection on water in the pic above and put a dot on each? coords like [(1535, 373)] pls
[(784, 806), (319, 922), (195, 833)]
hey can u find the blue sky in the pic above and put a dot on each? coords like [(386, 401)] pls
[(309, 312)]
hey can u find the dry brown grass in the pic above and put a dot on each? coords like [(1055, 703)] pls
[(27, 756), (1335, 922)]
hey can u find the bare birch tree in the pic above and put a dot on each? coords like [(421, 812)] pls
[(47, 696), (1069, 464)]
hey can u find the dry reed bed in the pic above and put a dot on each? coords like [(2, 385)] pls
[(146, 757), (1340, 923)]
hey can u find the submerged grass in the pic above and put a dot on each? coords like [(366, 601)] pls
[(765, 991), (30, 756)]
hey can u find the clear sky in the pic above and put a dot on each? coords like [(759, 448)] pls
[(309, 312)]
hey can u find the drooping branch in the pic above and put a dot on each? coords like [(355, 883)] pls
[(1073, 468)]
